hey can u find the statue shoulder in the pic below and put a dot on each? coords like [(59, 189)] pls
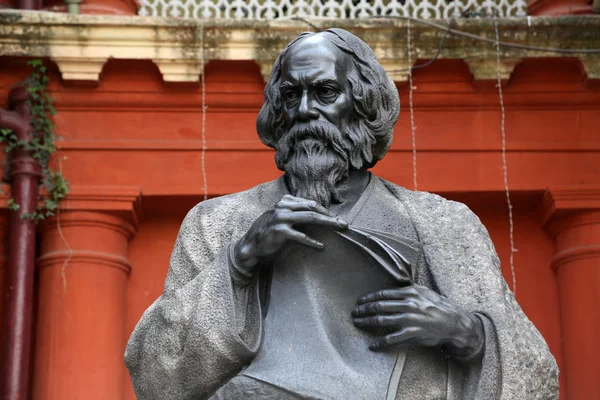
[(428, 204), (441, 222), (233, 209)]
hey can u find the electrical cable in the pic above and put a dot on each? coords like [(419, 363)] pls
[(203, 154), (306, 22), (505, 163), (457, 32), (432, 60), (413, 128), (499, 42)]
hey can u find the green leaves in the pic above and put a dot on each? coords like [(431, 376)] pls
[(42, 144), (12, 204)]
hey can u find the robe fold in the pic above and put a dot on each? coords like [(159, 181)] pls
[(208, 324)]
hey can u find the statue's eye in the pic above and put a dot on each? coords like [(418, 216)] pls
[(328, 93), (290, 95)]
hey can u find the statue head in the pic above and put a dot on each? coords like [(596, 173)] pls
[(329, 108)]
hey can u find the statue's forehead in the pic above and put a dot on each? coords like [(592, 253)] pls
[(317, 54)]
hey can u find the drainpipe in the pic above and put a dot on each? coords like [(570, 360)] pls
[(25, 173)]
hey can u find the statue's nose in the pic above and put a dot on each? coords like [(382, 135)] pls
[(306, 111)]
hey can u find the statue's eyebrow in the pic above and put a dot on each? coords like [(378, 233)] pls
[(318, 82), (325, 81), (286, 85)]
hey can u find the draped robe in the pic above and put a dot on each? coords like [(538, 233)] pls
[(207, 326)]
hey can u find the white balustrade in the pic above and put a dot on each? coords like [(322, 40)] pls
[(335, 9)]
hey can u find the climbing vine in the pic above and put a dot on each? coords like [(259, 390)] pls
[(42, 144)]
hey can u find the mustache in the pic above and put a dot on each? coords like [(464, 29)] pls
[(321, 131)]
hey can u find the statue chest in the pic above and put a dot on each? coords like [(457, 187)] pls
[(310, 345)]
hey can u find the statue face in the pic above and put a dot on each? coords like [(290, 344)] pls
[(330, 78), (317, 106), (314, 83)]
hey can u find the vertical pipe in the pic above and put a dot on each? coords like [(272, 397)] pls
[(18, 296)]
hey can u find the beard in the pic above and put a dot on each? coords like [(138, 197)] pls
[(315, 159)]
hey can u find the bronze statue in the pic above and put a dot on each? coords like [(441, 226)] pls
[(329, 282)]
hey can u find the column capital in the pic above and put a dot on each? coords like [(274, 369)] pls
[(568, 206), (96, 219), (118, 201)]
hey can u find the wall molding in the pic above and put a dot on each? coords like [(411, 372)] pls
[(80, 44), (78, 257)]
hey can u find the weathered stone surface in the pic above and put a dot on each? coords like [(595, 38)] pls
[(177, 41)]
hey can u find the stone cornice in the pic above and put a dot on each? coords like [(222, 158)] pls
[(81, 44)]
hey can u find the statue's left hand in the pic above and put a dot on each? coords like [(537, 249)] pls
[(417, 315)]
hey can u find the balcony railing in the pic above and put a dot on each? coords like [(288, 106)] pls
[(335, 9)]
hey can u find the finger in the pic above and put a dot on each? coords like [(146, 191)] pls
[(302, 238), (383, 307), (304, 206), (383, 321), (403, 338), (389, 294), (313, 218)]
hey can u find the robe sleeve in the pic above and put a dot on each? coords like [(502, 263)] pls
[(461, 257), (517, 363), (204, 327)]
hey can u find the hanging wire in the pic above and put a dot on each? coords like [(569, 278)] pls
[(316, 28), (202, 82), (413, 128), (435, 56), (498, 42), (469, 35), (63, 268), (504, 163)]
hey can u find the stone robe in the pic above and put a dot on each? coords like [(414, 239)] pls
[(208, 324)]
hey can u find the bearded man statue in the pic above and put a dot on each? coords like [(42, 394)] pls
[(331, 283)]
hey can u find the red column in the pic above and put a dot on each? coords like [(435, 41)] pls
[(82, 307), (573, 219)]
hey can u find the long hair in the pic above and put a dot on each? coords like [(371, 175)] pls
[(376, 101)]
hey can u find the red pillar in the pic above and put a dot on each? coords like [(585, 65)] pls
[(573, 219), (82, 307)]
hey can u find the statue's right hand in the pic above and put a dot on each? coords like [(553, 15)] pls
[(275, 227)]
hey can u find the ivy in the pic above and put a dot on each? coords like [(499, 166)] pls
[(42, 144)]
